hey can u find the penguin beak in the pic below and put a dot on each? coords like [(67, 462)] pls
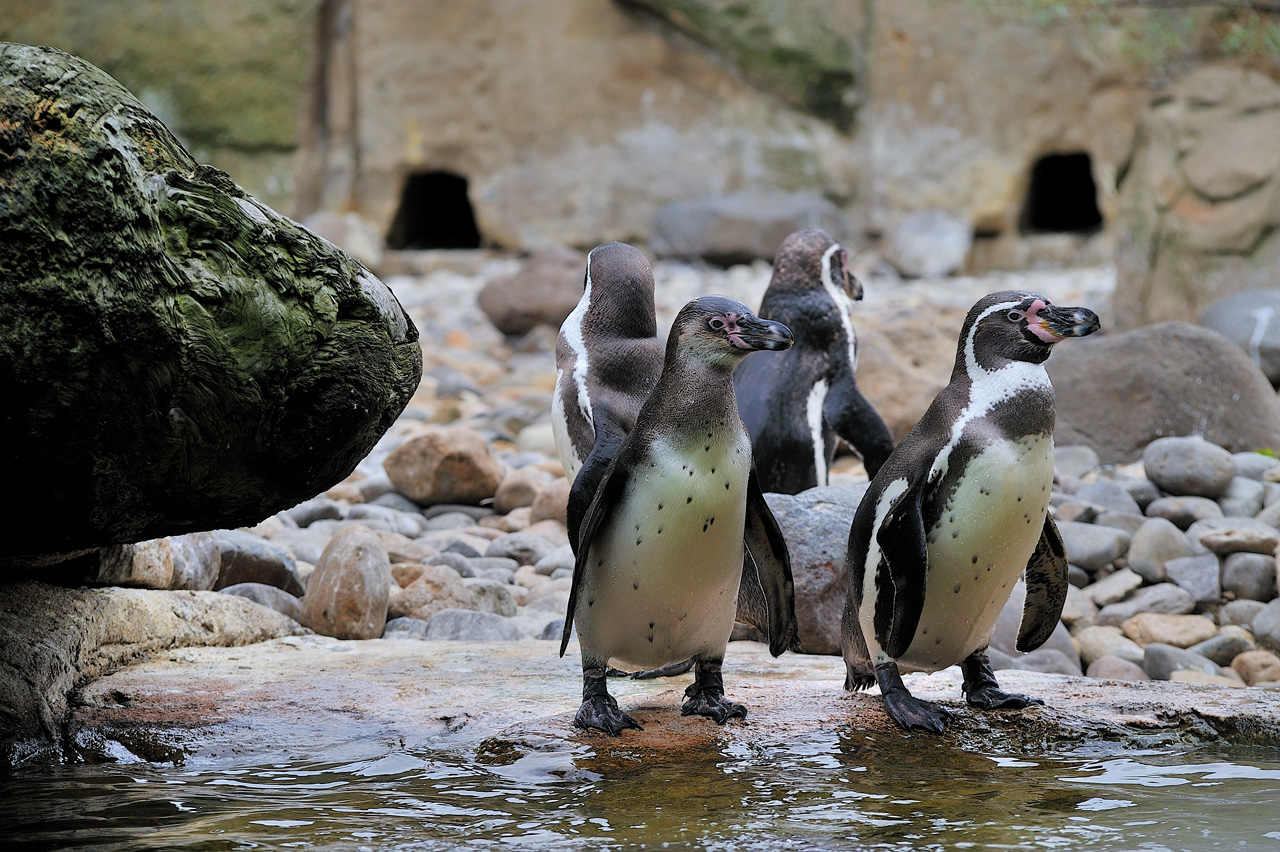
[(1053, 323), (853, 286), (752, 332)]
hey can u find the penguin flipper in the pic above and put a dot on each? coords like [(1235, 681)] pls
[(853, 418), (611, 488), (587, 482), (1047, 583), (903, 547), (766, 594)]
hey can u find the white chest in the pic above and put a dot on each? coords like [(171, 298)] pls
[(663, 578)]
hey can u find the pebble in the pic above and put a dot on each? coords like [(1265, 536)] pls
[(1266, 626), (1249, 576), (348, 592), (491, 596), (1254, 465), (1243, 498), (1113, 588), (551, 502), (558, 559), (521, 486), (1162, 597), (1181, 631), (1234, 535), (316, 509), (1074, 459), (1078, 611), (1111, 667), (1183, 511), (524, 547), (1160, 661), (405, 628), (248, 558), (1240, 612), (269, 596), (437, 587), (1156, 542), (1199, 575), (466, 625), (1188, 465), (1257, 666), (1229, 642), (1110, 495), (1127, 522), (1092, 547), (1098, 641), (1190, 676)]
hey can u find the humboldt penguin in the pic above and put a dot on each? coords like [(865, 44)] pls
[(608, 358), (796, 403), (678, 538), (958, 512)]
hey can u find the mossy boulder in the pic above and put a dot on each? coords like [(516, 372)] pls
[(174, 355)]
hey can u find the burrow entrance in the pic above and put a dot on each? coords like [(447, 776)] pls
[(434, 213), (1061, 196)]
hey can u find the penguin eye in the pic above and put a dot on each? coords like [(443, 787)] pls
[(1015, 316), (716, 324)]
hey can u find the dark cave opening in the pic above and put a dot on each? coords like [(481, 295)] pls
[(1061, 196), (434, 213)]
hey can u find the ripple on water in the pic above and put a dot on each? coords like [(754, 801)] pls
[(839, 790)]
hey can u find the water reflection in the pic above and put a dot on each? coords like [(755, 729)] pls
[(839, 790)]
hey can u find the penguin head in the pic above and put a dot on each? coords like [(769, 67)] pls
[(722, 331), (622, 291), (810, 257), (1015, 325)]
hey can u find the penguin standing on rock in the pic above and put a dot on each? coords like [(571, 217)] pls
[(608, 358), (958, 512), (677, 538), (796, 403)]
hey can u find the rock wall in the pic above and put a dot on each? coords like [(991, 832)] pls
[(1200, 202)]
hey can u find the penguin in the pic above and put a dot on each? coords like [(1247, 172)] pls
[(958, 511), (796, 403), (677, 538), (608, 358)]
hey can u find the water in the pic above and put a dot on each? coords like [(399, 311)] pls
[(845, 789)]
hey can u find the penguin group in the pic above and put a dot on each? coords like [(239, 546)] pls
[(671, 446)]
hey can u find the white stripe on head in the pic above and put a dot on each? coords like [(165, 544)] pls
[(813, 412), (987, 388), (843, 303), (572, 329)]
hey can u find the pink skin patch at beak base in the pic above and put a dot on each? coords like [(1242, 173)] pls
[(1036, 325)]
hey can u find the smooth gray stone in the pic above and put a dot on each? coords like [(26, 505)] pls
[(1250, 576), (1232, 535), (1166, 598), (1110, 495), (462, 549), (451, 382), (1111, 667), (1077, 576), (1126, 521), (1199, 575), (1253, 465), (1156, 542), (1182, 512), (474, 512), (1005, 634), (561, 572), (249, 558), (450, 521), (1074, 459), (1000, 661), (1270, 494), (1188, 466), (456, 561), (1143, 491), (269, 596), (305, 543), (1240, 612), (1161, 661), (524, 548), (561, 557), (373, 487), (1243, 498), (1092, 547), (1048, 660), (1266, 626), (1067, 484), (405, 628), (467, 625), (499, 575), (410, 524), (1114, 587), (317, 508), (491, 596), (331, 527), (553, 630), (1224, 647), (1076, 511), (399, 502)]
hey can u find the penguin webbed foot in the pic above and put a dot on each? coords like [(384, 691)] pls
[(904, 708), (672, 670), (601, 713), (982, 691), (704, 702)]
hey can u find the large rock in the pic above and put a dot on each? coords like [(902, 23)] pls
[(1189, 466), (174, 355), (347, 594), (741, 226), (1251, 320), (928, 243), (1119, 392), (1198, 206), (248, 558), (445, 464), (815, 524), (544, 290), (191, 562)]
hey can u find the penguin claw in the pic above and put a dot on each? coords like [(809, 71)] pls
[(993, 698), (911, 712), (601, 713), (712, 705)]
